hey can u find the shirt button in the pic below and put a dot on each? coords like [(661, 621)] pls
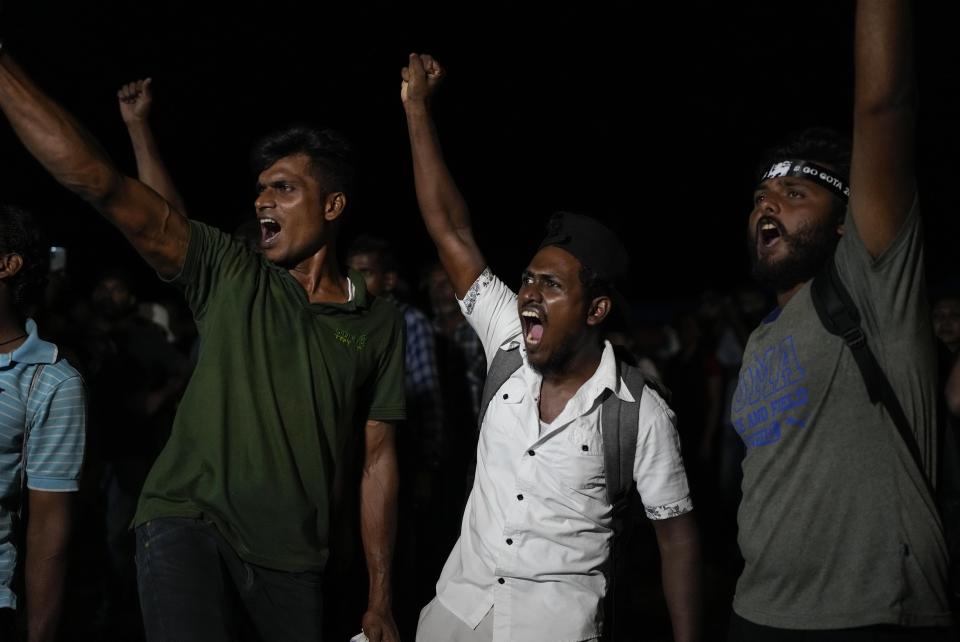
[(509, 542), (531, 453), (501, 580), (519, 498), (506, 396), (584, 448)]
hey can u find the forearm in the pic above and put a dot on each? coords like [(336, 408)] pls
[(54, 138), (378, 525), (151, 169), (680, 570), (47, 539), (884, 56), (442, 207)]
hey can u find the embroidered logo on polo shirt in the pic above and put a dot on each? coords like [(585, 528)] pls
[(357, 341)]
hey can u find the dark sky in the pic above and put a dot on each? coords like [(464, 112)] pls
[(650, 116)]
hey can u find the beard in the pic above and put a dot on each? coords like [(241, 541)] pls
[(810, 247), (559, 359)]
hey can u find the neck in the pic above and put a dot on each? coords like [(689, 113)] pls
[(580, 367), (11, 326), (784, 297), (321, 278)]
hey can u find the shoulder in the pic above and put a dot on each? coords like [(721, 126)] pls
[(59, 373), (653, 407)]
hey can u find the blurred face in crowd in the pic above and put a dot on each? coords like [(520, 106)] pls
[(792, 230), (368, 264), (112, 297), (946, 322), (443, 299)]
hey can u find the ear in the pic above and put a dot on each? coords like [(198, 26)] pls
[(333, 205), (599, 309), (10, 264)]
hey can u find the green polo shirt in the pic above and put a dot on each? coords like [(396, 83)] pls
[(278, 399)]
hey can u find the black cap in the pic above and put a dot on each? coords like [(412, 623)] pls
[(590, 242)]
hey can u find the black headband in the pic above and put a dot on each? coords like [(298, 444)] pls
[(811, 171)]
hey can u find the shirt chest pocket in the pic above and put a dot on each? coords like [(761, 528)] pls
[(505, 414), (583, 458)]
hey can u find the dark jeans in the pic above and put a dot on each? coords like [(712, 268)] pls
[(194, 588), (8, 629), (742, 630)]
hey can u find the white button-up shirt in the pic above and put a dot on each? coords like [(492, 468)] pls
[(536, 529)]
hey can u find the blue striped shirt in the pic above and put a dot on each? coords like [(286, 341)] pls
[(56, 413)]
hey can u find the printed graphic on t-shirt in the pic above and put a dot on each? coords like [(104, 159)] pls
[(771, 395)]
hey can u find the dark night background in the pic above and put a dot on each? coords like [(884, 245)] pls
[(649, 115)]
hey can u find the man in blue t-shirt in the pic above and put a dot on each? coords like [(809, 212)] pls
[(42, 422)]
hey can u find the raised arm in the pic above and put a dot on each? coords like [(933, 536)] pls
[(882, 184), (136, 99), (155, 228), (442, 206)]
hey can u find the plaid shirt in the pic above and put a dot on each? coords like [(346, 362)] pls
[(424, 402)]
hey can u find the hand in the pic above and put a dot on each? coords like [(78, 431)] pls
[(135, 100), (378, 625), (421, 77)]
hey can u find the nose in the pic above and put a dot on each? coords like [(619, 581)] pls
[(264, 200), (530, 293)]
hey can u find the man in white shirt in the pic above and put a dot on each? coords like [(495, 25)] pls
[(536, 532)]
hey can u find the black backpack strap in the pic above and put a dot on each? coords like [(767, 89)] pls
[(505, 363), (840, 316), (619, 421)]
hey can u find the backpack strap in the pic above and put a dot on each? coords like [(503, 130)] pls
[(28, 424), (505, 362), (619, 426), (839, 315)]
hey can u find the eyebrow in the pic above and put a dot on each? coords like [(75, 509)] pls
[(541, 275)]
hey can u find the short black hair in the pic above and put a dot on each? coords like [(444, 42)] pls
[(366, 244), (330, 153), (21, 234)]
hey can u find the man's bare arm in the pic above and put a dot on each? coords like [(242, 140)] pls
[(155, 228), (378, 526), (136, 101), (882, 182), (442, 206), (679, 542), (48, 534)]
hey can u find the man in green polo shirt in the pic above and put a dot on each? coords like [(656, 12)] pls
[(294, 359)]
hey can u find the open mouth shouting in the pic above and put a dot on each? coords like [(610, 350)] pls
[(533, 321), (269, 231), (769, 234)]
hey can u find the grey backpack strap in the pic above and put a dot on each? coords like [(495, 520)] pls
[(505, 363), (27, 423), (619, 422)]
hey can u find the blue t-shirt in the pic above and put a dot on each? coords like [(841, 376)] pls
[(55, 411)]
